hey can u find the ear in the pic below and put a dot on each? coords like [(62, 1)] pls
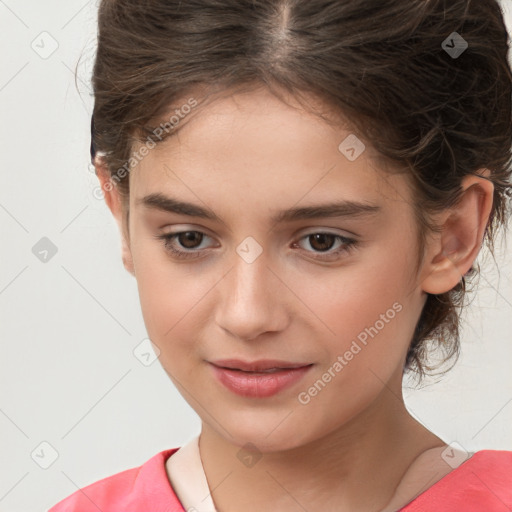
[(114, 203), (452, 252)]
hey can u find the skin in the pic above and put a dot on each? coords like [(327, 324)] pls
[(354, 446)]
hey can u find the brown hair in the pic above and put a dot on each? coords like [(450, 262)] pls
[(386, 66)]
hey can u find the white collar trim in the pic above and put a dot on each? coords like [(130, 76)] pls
[(188, 478)]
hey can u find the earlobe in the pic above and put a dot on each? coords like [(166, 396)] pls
[(452, 253), (114, 203), (108, 188), (127, 256), (448, 266)]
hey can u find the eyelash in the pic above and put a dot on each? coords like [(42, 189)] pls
[(349, 245)]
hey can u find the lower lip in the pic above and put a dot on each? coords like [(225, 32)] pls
[(258, 385)]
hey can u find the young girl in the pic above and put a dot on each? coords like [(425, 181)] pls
[(302, 188)]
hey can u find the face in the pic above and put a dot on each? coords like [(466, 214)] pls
[(337, 293)]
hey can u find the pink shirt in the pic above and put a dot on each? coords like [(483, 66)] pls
[(483, 483)]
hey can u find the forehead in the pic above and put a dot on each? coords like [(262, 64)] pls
[(254, 142)]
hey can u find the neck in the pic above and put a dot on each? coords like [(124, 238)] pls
[(355, 467)]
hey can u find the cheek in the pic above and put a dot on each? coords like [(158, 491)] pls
[(365, 328), (174, 304), (364, 310), (164, 290)]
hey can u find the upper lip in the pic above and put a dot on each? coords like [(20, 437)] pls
[(256, 366)]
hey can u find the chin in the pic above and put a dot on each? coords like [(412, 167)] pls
[(267, 432)]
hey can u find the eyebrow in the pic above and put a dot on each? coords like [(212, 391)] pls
[(344, 208)]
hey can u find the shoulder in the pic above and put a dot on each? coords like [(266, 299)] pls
[(483, 482), (142, 488), (492, 469), (491, 458)]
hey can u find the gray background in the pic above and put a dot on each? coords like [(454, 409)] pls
[(69, 326)]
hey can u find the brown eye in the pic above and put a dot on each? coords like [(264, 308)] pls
[(322, 241), (184, 244), (188, 239)]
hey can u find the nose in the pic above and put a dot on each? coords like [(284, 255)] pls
[(252, 299)]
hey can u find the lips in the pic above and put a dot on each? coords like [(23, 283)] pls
[(262, 365), (258, 379)]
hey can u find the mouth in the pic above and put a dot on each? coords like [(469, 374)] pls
[(261, 366), (258, 379)]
